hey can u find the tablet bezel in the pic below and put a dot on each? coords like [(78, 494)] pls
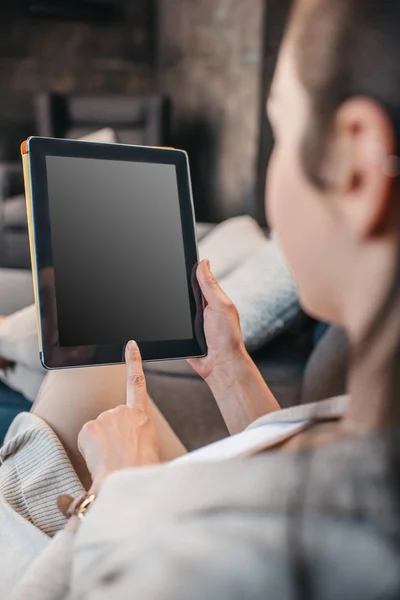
[(54, 356)]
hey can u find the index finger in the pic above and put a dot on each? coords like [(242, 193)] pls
[(136, 392)]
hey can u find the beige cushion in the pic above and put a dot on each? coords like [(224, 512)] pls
[(19, 344), (105, 135)]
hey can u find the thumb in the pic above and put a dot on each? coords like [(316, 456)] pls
[(212, 291)]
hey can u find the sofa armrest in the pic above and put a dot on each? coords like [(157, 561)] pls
[(189, 406), (14, 242), (16, 290), (11, 180)]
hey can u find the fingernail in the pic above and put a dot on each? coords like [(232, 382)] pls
[(132, 346), (208, 265)]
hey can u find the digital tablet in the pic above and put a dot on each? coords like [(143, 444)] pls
[(114, 252)]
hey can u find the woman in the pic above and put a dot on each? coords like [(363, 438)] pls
[(318, 516)]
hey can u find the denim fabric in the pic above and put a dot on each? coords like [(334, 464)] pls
[(11, 404)]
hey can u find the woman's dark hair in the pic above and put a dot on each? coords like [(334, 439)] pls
[(346, 49)]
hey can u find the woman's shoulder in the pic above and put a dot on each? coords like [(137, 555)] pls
[(252, 522), (234, 556)]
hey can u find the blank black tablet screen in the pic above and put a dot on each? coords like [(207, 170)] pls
[(118, 251)]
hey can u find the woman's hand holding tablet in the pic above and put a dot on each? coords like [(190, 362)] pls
[(114, 253)]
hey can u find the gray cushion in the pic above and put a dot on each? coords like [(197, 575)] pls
[(253, 272), (13, 213), (202, 229), (14, 243), (11, 180), (16, 290), (265, 294), (14, 249)]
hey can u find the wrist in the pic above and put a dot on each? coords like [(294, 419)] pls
[(241, 393), (98, 480), (150, 458), (73, 524), (231, 372)]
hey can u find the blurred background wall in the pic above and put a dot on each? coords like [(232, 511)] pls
[(211, 67), (213, 59), (50, 55)]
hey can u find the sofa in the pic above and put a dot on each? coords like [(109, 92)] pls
[(306, 363), (14, 246)]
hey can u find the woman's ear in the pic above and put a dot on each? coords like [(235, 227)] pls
[(363, 155)]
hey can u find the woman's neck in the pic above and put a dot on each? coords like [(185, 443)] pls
[(373, 406), (373, 324)]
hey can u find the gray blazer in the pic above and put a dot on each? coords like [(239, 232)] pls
[(321, 521)]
